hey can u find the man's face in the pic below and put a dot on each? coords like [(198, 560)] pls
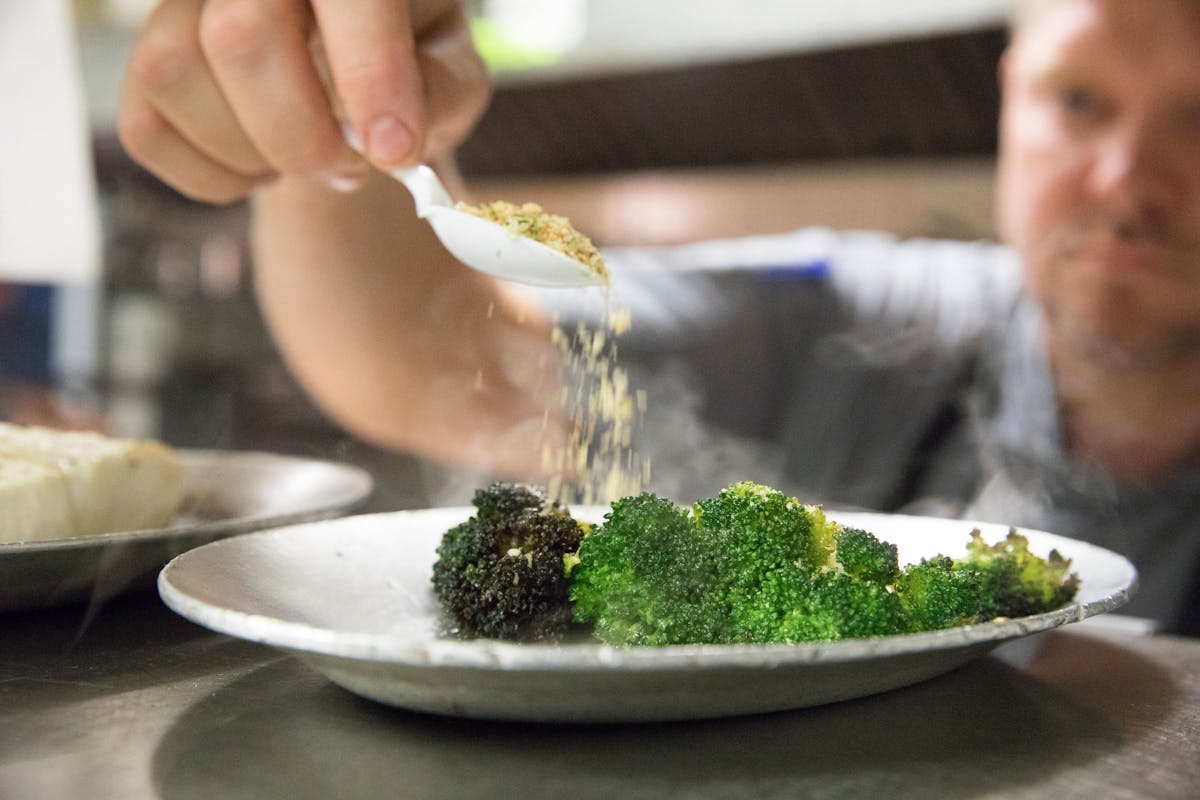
[(1099, 174)]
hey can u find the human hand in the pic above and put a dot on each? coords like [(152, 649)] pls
[(222, 96)]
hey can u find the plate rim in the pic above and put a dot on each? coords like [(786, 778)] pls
[(357, 474)]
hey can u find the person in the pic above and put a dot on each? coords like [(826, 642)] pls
[(1046, 382)]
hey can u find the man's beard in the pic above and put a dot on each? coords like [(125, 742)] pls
[(1082, 339), (1119, 327)]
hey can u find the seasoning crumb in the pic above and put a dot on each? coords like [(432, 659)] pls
[(529, 220), (598, 463)]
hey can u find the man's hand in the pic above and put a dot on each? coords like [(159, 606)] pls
[(223, 96)]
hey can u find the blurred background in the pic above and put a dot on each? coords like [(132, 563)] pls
[(645, 123)]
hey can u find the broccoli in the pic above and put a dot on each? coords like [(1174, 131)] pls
[(1018, 582), (782, 569), (864, 556), (797, 605), (936, 593), (767, 547), (645, 576), (749, 565), (1001, 580), (501, 574)]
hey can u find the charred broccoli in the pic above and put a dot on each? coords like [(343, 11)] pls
[(501, 574)]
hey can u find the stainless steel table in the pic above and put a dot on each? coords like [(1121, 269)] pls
[(135, 702)]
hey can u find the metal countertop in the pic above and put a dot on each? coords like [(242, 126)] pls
[(133, 701)]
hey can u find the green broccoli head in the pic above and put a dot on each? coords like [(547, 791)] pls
[(1019, 582), (935, 593), (791, 574), (749, 565), (646, 576), (784, 605), (862, 607), (501, 573), (862, 555), (757, 528), (766, 548), (797, 605)]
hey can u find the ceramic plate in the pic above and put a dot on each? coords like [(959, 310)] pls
[(227, 493), (352, 597)]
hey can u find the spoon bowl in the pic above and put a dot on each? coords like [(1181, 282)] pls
[(484, 245), (489, 248)]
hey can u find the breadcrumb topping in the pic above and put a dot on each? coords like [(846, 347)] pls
[(529, 220)]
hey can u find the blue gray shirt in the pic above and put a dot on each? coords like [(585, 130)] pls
[(853, 369)]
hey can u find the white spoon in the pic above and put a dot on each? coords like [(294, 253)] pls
[(484, 245)]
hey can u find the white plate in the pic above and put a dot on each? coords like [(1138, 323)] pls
[(226, 493), (352, 597)]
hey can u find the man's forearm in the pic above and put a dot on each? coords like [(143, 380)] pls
[(392, 337)]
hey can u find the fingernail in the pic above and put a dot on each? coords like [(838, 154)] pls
[(341, 180), (389, 141)]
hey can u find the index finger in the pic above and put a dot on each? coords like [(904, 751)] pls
[(371, 50)]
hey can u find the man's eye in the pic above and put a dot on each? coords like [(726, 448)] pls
[(1078, 101)]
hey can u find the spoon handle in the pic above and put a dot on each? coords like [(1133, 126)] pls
[(421, 181), (427, 190)]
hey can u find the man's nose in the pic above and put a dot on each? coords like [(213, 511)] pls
[(1134, 170)]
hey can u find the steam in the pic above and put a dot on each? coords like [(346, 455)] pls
[(690, 456)]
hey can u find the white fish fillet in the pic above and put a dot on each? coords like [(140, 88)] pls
[(59, 484)]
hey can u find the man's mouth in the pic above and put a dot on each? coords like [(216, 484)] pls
[(1123, 252), (1128, 256)]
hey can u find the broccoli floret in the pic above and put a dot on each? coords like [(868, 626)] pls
[(936, 594), (757, 527), (1000, 580), (508, 499), (791, 574), (796, 605), (769, 549), (501, 574), (864, 556), (1017, 581), (863, 607), (783, 607), (797, 575), (645, 576)]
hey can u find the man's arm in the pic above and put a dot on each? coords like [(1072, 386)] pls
[(395, 339), (391, 336)]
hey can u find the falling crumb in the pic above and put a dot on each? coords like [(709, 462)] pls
[(599, 462), (528, 219), (619, 321)]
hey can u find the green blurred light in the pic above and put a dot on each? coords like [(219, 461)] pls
[(501, 52)]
